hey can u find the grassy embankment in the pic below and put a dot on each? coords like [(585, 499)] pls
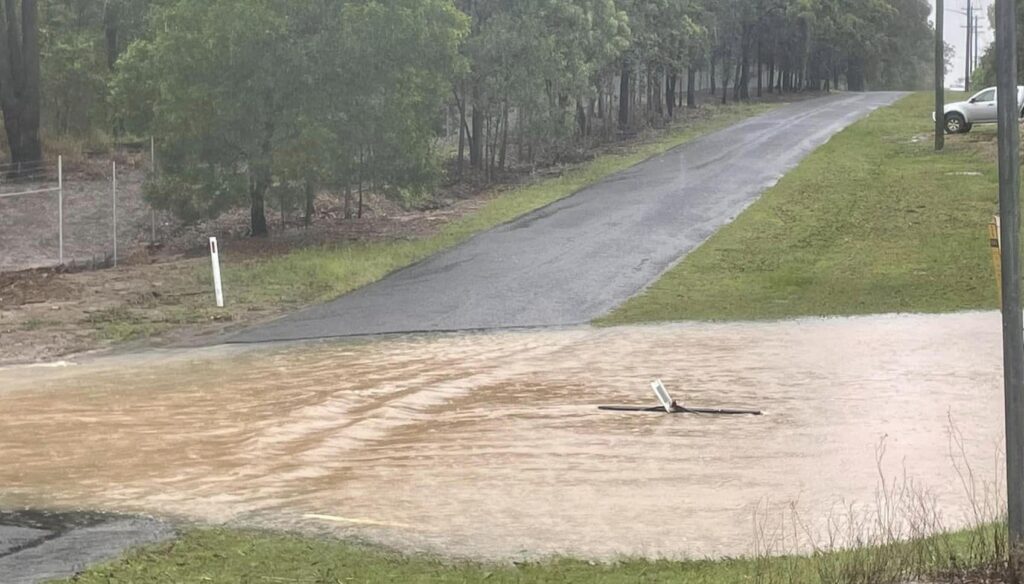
[(222, 556), (873, 222)]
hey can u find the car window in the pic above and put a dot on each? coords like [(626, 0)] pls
[(987, 95)]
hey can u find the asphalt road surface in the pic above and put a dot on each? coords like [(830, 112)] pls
[(40, 546), (582, 256)]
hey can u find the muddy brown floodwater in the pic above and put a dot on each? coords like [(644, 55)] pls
[(491, 445)]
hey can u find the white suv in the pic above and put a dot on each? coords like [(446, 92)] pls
[(979, 109)]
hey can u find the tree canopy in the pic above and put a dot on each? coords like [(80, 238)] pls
[(251, 97)]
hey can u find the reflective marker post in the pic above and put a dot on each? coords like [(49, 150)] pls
[(1013, 323), (60, 209), (113, 200), (215, 259)]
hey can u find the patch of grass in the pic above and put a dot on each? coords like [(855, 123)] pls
[(229, 556), (120, 324), (34, 324), (316, 274), (873, 222)]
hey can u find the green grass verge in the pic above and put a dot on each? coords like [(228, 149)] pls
[(873, 222), (227, 556), (321, 273)]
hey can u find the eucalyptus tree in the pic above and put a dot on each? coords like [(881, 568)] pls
[(538, 66), (233, 87)]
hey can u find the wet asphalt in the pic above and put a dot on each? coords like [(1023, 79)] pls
[(37, 546), (577, 259)]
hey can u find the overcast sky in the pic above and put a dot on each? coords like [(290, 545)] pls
[(956, 35)]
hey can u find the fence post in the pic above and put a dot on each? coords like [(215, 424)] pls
[(60, 206), (114, 199)]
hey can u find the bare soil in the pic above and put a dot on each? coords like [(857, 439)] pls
[(46, 313)]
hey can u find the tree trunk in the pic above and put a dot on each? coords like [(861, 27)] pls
[(691, 91), (476, 139), (462, 142), (760, 70), (581, 118), (654, 80), (495, 134), (361, 180), (19, 79), (736, 82), (714, 89), (307, 218), (855, 75), (257, 211), (744, 81), (624, 91), (670, 93), (504, 138), (347, 205), (726, 72), (359, 210), (476, 134), (110, 32)]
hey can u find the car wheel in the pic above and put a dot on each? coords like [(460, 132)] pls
[(955, 124)]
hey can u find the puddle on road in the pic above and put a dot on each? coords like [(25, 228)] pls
[(491, 446)]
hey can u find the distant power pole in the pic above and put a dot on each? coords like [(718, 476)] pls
[(967, 59), (940, 74), (977, 30), (971, 44), (1013, 323)]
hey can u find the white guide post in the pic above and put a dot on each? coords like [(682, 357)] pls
[(215, 259), (60, 206), (114, 200)]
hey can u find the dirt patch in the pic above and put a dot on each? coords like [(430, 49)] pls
[(156, 295)]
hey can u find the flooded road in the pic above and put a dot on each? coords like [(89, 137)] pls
[(491, 445)]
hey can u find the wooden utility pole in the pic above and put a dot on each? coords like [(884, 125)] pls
[(940, 74), (967, 56), (1013, 323)]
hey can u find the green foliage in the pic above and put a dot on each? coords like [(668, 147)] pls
[(281, 98), (74, 75), (245, 95)]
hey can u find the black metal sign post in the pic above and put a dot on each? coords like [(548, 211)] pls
[(1013, 324), (940, 74)]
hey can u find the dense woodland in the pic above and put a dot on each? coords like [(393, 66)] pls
[(256, 100)]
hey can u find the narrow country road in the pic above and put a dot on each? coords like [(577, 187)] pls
[(580, 257)]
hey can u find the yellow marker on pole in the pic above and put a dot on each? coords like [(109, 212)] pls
[(995, 242)]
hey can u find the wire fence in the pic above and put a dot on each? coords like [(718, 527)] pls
[(89, 216)]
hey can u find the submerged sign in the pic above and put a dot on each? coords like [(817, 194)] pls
[(663, 396)]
